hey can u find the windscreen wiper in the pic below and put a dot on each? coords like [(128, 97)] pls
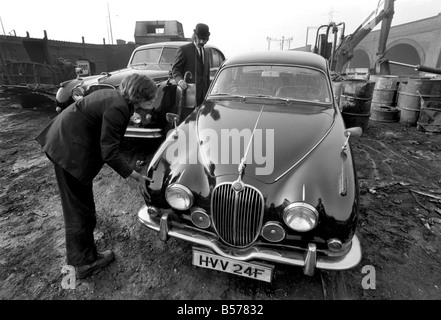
[(227, 96)]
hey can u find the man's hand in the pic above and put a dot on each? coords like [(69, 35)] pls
[(182, 84), (142, 187)]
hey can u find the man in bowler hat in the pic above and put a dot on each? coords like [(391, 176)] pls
[(193, 57)]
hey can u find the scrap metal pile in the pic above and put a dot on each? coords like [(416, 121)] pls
[(30, 95)]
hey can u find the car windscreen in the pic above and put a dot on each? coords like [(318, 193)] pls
[(168, 55), (284, 82), (146, 56)]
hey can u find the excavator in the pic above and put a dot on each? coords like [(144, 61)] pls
[(341, 49)]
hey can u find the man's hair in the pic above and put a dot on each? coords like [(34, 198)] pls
[(136, 88)]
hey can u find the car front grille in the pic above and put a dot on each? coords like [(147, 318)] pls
[(237, 216)]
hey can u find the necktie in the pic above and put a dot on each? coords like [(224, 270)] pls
[(201, 53)]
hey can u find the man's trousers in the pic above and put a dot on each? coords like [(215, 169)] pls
[(79, 218)]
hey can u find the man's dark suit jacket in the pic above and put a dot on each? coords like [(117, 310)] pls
[(188, 59), (87, 134)]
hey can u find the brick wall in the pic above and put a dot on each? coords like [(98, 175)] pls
[(105, 57)]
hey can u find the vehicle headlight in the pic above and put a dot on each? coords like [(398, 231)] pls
[(135, 118), (179, 197), (300, 216), (78, 93)]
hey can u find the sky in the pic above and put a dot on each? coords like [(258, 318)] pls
[(235, 25)]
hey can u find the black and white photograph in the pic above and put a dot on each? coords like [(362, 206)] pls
[(226, 157)]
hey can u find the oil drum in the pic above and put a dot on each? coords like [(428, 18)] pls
[(383, 99), (415, 92), (355, 102)]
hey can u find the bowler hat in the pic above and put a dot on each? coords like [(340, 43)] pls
[(202, 31)]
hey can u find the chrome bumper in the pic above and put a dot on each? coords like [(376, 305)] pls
[(143, 133), (309, 259)]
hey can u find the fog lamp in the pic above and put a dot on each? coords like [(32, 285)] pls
[(273, 231), (335, 245), (200, 218), (78, 93), (135, 118), (300, 216), (153, 211), (179, 197)]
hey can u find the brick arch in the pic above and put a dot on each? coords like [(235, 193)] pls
[(421, 36), (405, 51), (401, 50), (410, 42), (370, 52), (361, 58)]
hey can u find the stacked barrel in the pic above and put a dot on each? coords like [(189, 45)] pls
[(415, 93), (355, 102), (411, 100), (383, 107)]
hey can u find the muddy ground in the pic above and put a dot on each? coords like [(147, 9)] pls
[(399, 170)]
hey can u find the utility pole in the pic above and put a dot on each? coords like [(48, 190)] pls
[(289, 42), (269, 39), (331, 14), (110, 23), (307, 32), (3, 28), (281, 41)]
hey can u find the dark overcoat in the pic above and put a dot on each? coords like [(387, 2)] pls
[(188, 59), (87, 134)]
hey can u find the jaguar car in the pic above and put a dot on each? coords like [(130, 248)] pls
[(154, 60), (261, 173)]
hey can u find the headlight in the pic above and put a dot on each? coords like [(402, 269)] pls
[(78, 93), (179, 197), (300, 216), (136, 118)]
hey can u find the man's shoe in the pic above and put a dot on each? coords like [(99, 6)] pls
[(102, 260)]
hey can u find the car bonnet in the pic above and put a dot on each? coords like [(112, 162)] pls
[(282, 136)]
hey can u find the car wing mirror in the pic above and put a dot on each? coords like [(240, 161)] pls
[(343, 183), (354, 131), (351, 132), (173, 118)]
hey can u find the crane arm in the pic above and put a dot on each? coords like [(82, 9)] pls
[(345, 50)]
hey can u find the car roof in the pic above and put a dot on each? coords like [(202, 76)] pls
[(174, 44), (302, 58)]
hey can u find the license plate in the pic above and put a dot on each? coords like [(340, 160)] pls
[(240, 268)]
